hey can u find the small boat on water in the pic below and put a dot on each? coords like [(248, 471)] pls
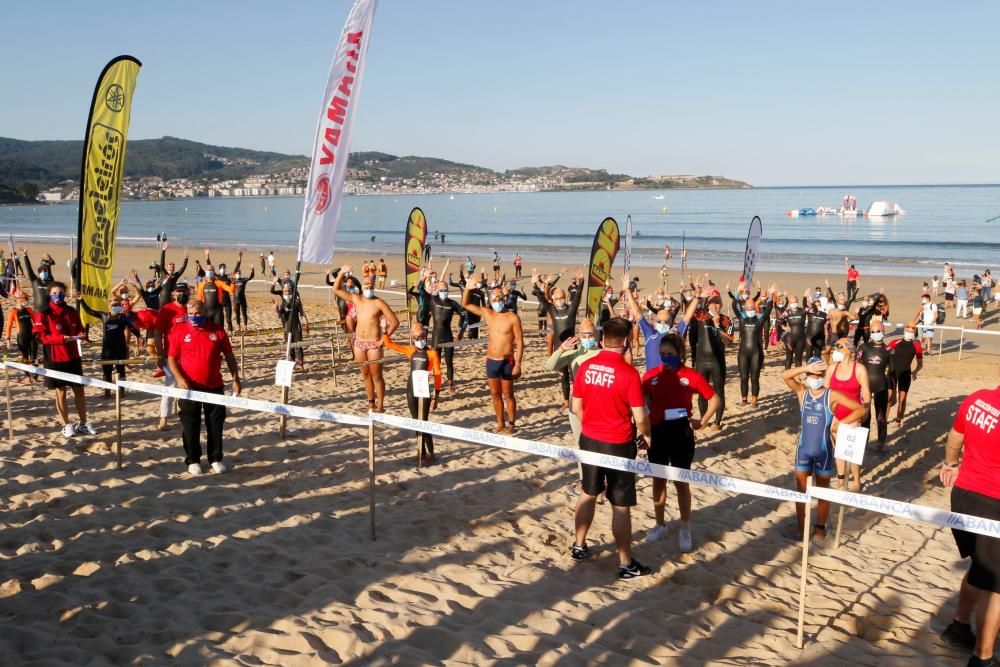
[(883, 209), (658, 197)]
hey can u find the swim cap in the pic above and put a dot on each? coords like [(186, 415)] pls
[(814, 360)]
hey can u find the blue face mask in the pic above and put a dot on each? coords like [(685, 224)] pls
[(588, 343), (197, 320), (116, 310), (497, 306), (369, 293), (43, 275), (210, 274), (57, 298), (671, 361)]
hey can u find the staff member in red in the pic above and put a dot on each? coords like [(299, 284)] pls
[(975, 436), (58, 328), (669, 389), (196, 350), (607, 398)]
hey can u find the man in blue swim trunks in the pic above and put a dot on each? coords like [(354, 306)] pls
[(814, 451), (504, 350)]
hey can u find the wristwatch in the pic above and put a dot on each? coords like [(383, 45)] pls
[(950, 465)]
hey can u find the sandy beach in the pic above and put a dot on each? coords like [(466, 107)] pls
[(271, 564)]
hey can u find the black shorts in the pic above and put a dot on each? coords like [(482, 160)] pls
[(949, 297), (673, 444), (984, 573), (618, 486), (74, 367), (901, 381)]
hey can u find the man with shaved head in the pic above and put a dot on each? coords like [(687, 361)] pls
[(504, 350), (562, 313)]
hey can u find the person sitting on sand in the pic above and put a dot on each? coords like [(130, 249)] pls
[(818, 430), (504, 350), (370, 311)]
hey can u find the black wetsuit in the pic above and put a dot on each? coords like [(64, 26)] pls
[(290, 317), (150, 297), (240, 297), (901, 354), (170, 281), (27, 344), (563, 326), (510, 300), (227, 300), (39, 287), (795, 337), (114, 345), (751, 353), (709, 351), (423, 303), (864, 321), (875, 357), (419, 362), (442, 311), (816, 320), (213, 307)]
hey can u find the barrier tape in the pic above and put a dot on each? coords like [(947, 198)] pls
[(59, 375), (564, 453), (247, 403), (921, 513)]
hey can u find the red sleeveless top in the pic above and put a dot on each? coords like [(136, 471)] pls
[(849, 387)]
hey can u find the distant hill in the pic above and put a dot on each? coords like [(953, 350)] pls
[(27, 167)]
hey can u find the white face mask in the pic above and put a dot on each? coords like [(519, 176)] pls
[(497, 306), (908, 335), (877, 336), (794, 305), (815, 382), (443, 295), (369, 293), (663, 327), (420, 344), (837, 356), (750, 313)]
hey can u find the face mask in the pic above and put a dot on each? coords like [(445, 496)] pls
[(793, 306), (286, 297), (497, 306), (43, 275), (671, 361), (197, 320), (210, 274), (123, 295), (837, 356), (877, 336), (57, 298), (662, 327), (420, 344), (908, 335), (925, 301), (352, 290), (443, 296), (841, 306), (236, 276), (116, 310), (182, 298), (814, 382), (369, 293), (222, 271), (560, 303), (750, 313), (588, 343)]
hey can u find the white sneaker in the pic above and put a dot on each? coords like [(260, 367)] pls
[(194, 469), (658, 533), (219, 467), (684, 540), (85, 429), (68, 431)]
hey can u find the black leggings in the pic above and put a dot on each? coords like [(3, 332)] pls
[(427, 441), (766, 329), (298, 353), (880, 403), (794, 347), (715, 373), (564, 380), (28, 346), (816, 344), (118, 367), (241, 309), (227, 308), (750, 362)]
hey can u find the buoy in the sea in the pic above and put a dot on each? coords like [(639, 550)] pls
[(355, 209), (664, 209), (496, 209), (185, 209), (265, 209)]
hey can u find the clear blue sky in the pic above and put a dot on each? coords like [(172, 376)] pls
[(775, 93)]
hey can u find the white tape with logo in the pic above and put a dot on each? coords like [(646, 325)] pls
[(698, 477), (921, 513), (59, 375), (248, 404)]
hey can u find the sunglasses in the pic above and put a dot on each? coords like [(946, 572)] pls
[(841, 346)]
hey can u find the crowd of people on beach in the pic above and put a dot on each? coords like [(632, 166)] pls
[(834, 346)]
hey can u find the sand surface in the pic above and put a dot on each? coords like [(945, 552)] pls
[(271, 564)]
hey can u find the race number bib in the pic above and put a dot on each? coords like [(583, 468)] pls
[(421, 384), (851, 442)]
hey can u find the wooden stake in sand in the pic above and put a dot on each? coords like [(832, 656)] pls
[(806, 531), (10, 410), (118, 417), (840, 523), (371, 480)]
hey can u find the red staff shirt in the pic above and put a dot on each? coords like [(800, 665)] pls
[(853, 275), (168, 317), (977, 420), (610, 388), (199, 352), (672, 389)]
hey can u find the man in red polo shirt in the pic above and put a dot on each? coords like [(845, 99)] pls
[(167, 317), (197, 348), (975, 436), (607, 397), (58, 328)]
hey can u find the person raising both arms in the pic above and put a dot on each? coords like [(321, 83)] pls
[(849, 378), (793, 326), (818, 430), (442, 339), (669, 389), (504, 351), (751, 352), (367, 343), (901, 354)]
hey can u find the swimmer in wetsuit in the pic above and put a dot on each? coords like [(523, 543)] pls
[(709, 334), (169, 276), (562, 313), (442, 310), (292, 317), (39, 282), (794, 333), (901, 354), (240, 298), (814, 449), (816, 321), (23, 317), (875, 357), (875, 306), (751, 353), (421, 359)]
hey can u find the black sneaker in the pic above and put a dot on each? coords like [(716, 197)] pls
[(634, 570), (959, 635), (579, 553), (975, 661)]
